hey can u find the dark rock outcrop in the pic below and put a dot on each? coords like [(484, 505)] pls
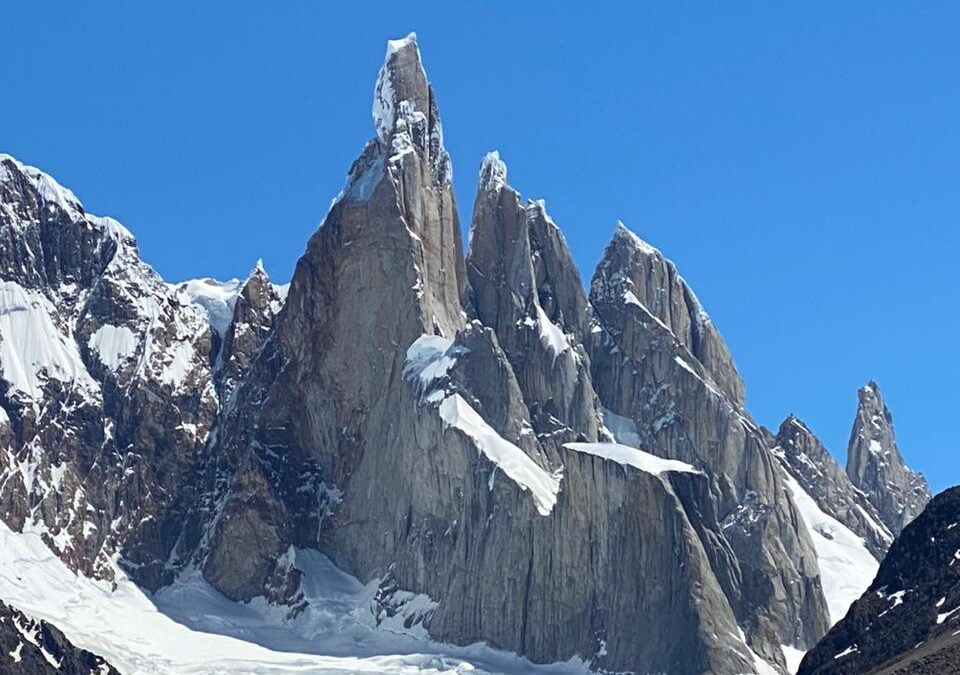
[(876, 467), (32, 647), (253, 311), (908, 619)]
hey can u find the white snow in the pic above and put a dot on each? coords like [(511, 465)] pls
[(550, 334), (428, 361), (113, 344), (946, 615), (793, 656), (217, 298), (846, 566), (32, 347), (191, 629), (430, 358), (846, 652), (514, 462), (627, 456)]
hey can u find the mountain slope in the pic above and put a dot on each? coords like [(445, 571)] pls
[(31, 647), (908, 619)]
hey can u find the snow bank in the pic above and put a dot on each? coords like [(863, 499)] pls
[(113, 344), (216, 298), (627, 456), (191, 629), (514, 462), (32, 347), (846, 566)]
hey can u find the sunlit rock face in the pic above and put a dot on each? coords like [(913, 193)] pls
[(509, 458)]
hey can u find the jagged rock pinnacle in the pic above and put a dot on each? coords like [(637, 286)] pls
[(875, 465), (493, 171), (405, 111)]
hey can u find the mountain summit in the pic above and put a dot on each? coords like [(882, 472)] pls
[(413, 445)]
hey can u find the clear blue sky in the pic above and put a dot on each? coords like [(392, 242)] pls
[(800, 163)]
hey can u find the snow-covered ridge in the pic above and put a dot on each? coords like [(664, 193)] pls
[(216, 298), (846, 566), (53, 194)]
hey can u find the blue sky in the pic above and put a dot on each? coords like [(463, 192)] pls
[(800, 163)]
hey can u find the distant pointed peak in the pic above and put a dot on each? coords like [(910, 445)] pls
[(870, 393), (794, 421), (493, 171), (258, 271), (624, 234)]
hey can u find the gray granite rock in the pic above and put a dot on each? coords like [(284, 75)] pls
[(876, 467)]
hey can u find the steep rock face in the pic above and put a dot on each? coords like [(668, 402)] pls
[(254, 308), (652, 281), (526, 287), (379, 425), (385, 267), (32, 647), (107, 392), (908, 620), (876, 467), (660, 394), (818, 473)]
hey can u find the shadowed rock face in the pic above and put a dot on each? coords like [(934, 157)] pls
[(876, 467), (907, 620), (32, 647), (821, 477)]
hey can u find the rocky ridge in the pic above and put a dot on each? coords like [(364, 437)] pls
[(32, 647), (908, 620), (514, 460)]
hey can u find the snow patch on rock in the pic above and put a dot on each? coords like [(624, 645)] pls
[(627, 456)]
